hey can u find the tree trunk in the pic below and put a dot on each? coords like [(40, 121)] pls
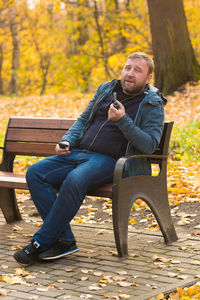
[(1, 67), (175, 62), (15, 52), (101, 41)]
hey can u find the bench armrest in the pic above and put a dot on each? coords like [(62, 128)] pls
[(119, 168)]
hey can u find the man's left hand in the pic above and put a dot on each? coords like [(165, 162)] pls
[(116, 114)]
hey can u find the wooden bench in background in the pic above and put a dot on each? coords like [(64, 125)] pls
[(38, 136)]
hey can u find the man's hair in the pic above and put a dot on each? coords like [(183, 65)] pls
[(147, 58)]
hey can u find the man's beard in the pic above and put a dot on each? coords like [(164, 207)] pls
[(133, 89)]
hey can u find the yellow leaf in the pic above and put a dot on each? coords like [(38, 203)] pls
[(160, 296), (132, 221), (3, 293), (13, 280), (180, 291)]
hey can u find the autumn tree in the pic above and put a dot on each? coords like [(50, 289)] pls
[(175, 62), (77, 44), (5, 7), (1, 64)]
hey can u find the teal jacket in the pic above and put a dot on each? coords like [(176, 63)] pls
[(143, 134)]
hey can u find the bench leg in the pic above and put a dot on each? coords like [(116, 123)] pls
[(120, 214), (8, 204), (161, 210), (156, 198)]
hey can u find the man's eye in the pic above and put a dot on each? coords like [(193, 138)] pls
[(127, 68), (138, 70)]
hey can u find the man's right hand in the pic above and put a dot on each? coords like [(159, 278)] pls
[(63, 151)]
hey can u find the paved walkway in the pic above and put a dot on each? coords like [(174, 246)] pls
[(95, 272)]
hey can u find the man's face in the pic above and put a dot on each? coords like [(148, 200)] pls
[(135, 75)]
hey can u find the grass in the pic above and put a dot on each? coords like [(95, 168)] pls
[(185, 142)]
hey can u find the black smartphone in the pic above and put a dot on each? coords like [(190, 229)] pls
[(115, 104), (62, 145)]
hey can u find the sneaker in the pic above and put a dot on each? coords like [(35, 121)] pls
[(27, 255), (58, 249)]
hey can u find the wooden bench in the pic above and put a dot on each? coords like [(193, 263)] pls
[(38, 136)]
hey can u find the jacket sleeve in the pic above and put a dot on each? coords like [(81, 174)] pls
[(144, 137)]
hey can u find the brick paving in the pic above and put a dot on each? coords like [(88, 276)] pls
[(95, 272)]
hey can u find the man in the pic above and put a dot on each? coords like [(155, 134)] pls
[(104, 132)]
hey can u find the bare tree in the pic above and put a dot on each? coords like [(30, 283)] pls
[(175, 62), (15, 51), (1, 67), (101, 41)]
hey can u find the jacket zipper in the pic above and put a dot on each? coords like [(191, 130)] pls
[(102, 125)]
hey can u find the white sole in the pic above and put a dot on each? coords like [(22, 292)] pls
[(60, 255)]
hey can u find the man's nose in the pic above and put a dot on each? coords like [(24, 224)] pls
[(131, 73)]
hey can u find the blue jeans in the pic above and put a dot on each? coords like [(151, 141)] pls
[(74, 175)]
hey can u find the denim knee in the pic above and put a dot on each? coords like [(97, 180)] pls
[(30, 173)]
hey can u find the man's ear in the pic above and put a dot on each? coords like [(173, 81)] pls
[(149, 78)]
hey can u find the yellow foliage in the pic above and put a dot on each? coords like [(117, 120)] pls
[(59, 51)]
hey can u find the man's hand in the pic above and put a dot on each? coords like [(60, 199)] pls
[(116, 114), (63, 151)]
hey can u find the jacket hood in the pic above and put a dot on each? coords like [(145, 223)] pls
[(156, 90)]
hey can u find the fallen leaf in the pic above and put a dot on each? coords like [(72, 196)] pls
[(94, 288), (3, 293), (86, 271), (123, 296), (84, 278), (69, 270), (42, 289), (195, 262), (17, 228), (174, 261), (172, 275), (98, 273), (132, 221), (124, 283), (160, 296), (4, 267), (161, 259), (61, 280), (21, 272), (122, 272), (100, 232), (12, 280), (182, 276), (134, 255)]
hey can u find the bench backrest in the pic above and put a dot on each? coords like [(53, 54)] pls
[(38, 136), (35, 136), (162, 149)]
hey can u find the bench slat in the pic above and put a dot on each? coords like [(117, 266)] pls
[(18, 181), (41, 123), (12, 180), (33, 135), (30, 149), (103, 191)]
